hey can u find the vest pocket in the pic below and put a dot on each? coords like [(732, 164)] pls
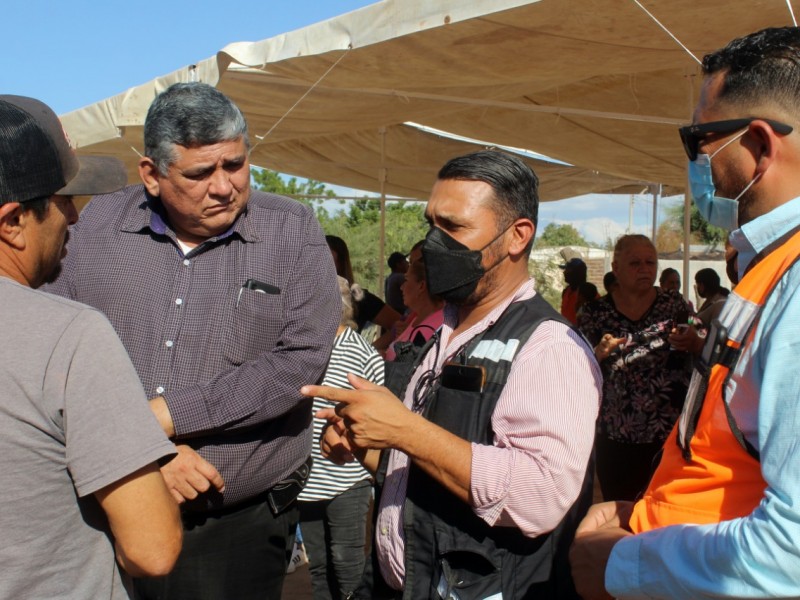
[(465, 573), (457, 412)]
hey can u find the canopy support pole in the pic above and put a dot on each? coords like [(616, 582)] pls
[(655, 189), (381, 244)]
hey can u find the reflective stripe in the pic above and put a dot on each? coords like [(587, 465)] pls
[(737, 315), (495, 350)]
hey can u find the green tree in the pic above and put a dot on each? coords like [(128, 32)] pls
[(549, 281), (700, 229), (359, 226), (271, 181), (560, 234), (358, 223)]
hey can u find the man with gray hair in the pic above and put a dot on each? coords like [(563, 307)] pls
[(226, 300)]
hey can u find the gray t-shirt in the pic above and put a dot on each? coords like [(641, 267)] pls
[(73, 419)]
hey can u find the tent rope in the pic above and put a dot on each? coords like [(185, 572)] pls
[(668, 32), (261, 138), (791, 12)]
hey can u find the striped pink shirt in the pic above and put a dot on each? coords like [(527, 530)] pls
[(544, 429)]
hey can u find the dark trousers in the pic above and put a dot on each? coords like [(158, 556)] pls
[(334, 534), (241, 554), (624, 469)]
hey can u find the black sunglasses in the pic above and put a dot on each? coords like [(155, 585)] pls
[(692, 135)]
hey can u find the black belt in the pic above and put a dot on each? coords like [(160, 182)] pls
[(279, 497)]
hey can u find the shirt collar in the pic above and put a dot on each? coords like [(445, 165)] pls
[(753, 237), (523, 292), (149, 214)]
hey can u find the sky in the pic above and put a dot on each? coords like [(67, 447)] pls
[(71, 53)]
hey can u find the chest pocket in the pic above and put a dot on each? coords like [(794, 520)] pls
[(461, 413), (254, 326)]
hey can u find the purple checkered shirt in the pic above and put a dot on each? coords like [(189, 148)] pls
[(228, 360)]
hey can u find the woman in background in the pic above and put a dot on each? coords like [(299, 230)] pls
[(709, 288), (334, 504), (425, 315), (368, 308), (644, 378)]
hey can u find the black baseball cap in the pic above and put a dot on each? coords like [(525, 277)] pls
[(36, 160), (573, 263), (395, 258)]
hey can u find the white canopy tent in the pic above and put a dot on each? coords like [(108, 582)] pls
[(599, 84)]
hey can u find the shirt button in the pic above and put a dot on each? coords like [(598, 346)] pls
[(384, 530), (186, 262), (168, 343), (159, 390), (178, 301)]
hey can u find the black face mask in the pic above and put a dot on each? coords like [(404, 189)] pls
[(452, 270)]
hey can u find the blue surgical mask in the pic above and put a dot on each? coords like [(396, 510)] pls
[(718, 211)]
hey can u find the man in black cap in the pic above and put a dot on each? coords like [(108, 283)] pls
[(80, 445)]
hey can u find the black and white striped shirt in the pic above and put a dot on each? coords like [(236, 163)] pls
[(351, 354)]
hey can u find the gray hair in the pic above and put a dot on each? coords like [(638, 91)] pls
[(190, 115), (625, 242), (349, 294)]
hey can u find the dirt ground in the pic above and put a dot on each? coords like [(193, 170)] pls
[(297, 585)]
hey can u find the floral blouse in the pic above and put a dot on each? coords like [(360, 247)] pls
[(644, 381)]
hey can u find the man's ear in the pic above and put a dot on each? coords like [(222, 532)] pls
[(149, 174), (523, 231), (766, 145), (12, 224)]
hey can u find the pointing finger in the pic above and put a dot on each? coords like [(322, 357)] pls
[(329, 393), (360, 383)]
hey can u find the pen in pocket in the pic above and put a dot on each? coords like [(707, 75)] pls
[(257, 286)]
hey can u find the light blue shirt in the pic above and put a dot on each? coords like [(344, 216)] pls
[(757, 556)]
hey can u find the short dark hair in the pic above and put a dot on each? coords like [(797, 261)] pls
[(609, 279), (515, 185), (762, 66), (38, 206), (667, 272), (709, 278), (395, 258), (587, 291)]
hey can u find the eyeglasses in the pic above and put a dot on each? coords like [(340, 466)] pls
[(428, 381), (427, 384), (692, 135)]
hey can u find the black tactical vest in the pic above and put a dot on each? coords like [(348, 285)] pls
[(452, 553)]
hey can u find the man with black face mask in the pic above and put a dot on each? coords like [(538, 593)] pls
[(481, 462)]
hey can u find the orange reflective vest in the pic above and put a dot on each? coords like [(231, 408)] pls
[(708, 472)]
